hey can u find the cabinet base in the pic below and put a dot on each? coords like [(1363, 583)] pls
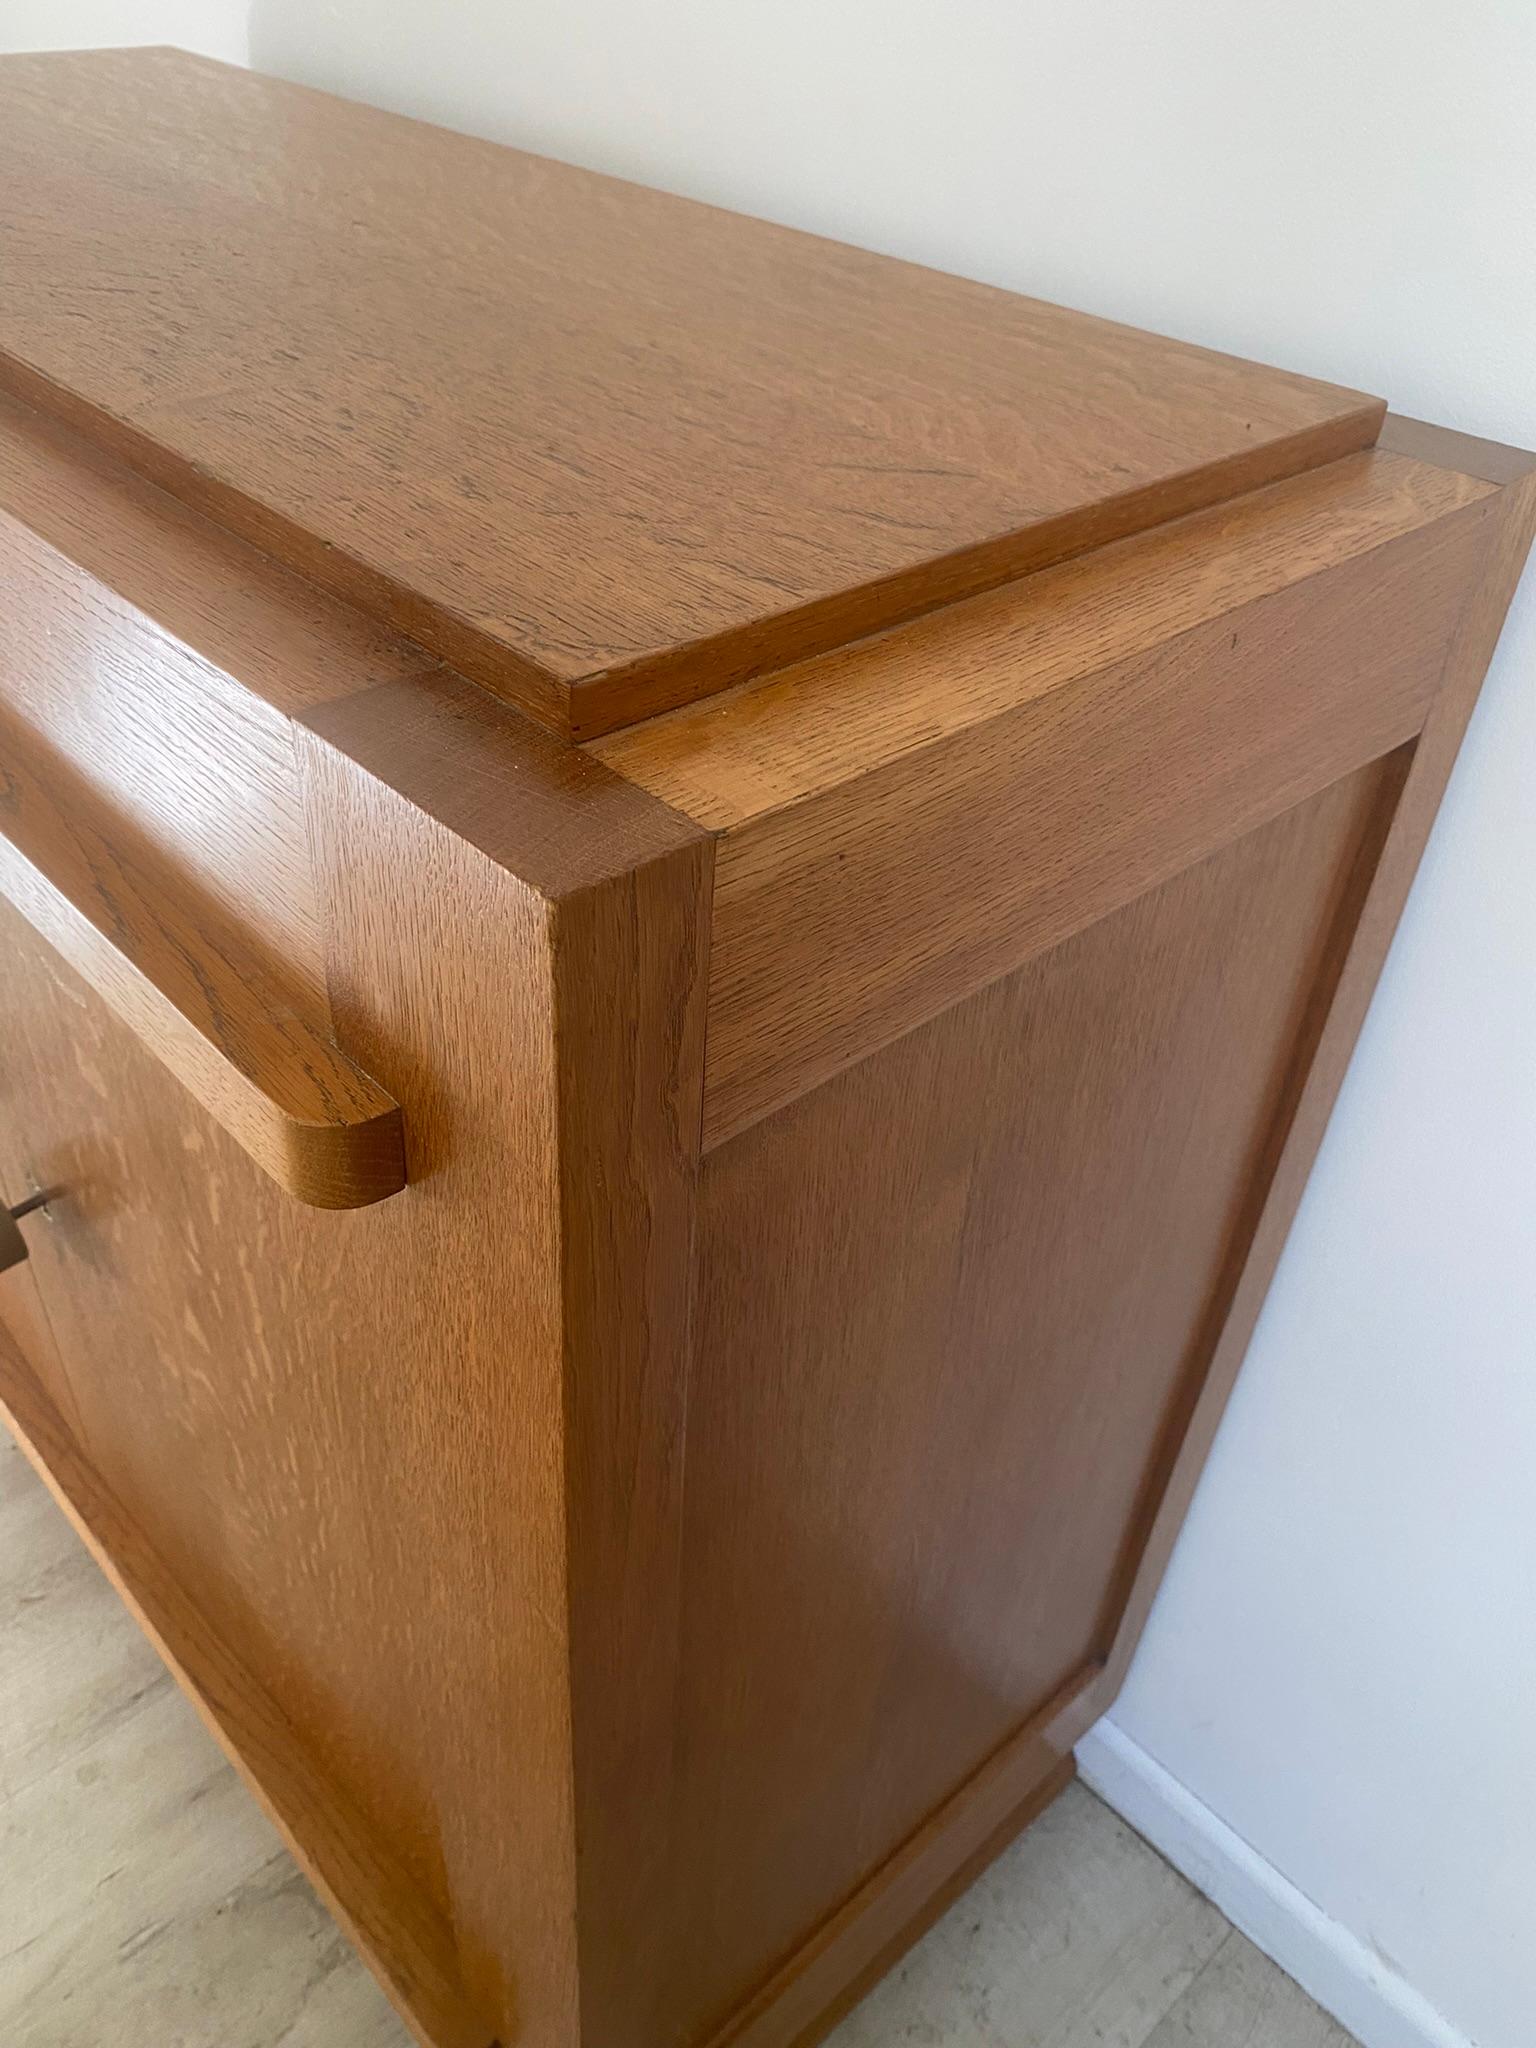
[(408, 1949), (768, 2023)]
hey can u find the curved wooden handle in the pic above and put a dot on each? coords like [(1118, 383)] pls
[(303, 1112)]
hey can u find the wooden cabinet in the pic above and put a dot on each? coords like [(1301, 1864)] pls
[(682, 908)]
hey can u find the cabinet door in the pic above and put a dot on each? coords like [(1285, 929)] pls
[(220, 1359)]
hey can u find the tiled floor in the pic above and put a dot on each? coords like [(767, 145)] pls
[(144, 1903)]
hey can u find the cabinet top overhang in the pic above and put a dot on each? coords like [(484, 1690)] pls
[(606, 450)]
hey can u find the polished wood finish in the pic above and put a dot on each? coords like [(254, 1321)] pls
[(972, 1324), (161, 665), (1010, 735), (597, 1091), (603, 449), (647, 1559), (304, 1113), (524, 1378), (769, 746)]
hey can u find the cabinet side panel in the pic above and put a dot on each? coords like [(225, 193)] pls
[(949, 1304)]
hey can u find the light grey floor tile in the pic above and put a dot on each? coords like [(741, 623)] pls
[(1241, 2000), (73, 1663), (145, 1901), (1079, 1934), (264, 1967), (134, 1834)]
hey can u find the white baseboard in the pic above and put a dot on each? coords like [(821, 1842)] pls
[(1348, 1979)]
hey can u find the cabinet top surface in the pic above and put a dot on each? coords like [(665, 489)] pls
[(607, 449)]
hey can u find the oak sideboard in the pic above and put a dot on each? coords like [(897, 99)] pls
[(681, 907)]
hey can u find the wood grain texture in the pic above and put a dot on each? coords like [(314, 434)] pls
[(408, 1944), (325, 1133), (180, 752), (1393, 806), (768, 745), (191, 592), (538, 419), (1017, 746), (162, 660), (648, 1561), (428, 1451), (306, 1395), (947, 1305), (23, 1322), (625, 890)]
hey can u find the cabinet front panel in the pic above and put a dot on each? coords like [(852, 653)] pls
[(270, 1393), (204, 1372)]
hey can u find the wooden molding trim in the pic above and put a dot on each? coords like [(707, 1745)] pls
[(845, 920), (831, 1971), (322, 1129), (782, 741), (1460, 454)]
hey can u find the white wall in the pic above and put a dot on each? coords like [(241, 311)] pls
[(1343, 1666), (214, 28)]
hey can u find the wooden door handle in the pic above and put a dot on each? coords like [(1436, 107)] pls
[(312, 1120)]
